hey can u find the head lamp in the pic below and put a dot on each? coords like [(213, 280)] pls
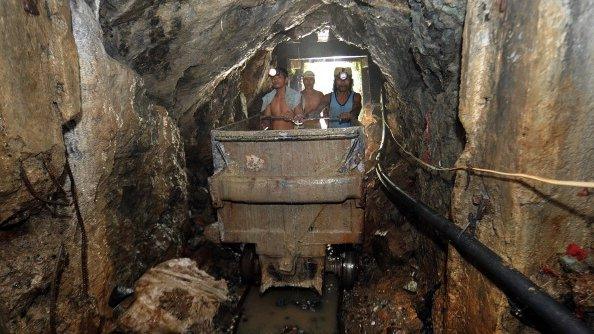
[(343, 75), (272, 72)]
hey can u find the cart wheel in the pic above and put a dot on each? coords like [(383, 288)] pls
[(348, 270), (250, 265)]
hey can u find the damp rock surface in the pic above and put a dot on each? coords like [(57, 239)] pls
[(39, 93), (127, 159), (526, 70), (61, 93)]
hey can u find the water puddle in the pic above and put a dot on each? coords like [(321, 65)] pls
[(291, 310)]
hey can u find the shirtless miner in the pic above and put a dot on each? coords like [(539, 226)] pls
[(281, 106), (310, 100)]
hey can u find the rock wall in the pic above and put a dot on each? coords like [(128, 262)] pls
[(526, 105), (40, 92), (127, 158), (225, 107), (64, 100)]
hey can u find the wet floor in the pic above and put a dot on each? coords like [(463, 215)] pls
[(291, 310)]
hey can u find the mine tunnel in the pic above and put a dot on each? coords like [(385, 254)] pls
[(135, 150)]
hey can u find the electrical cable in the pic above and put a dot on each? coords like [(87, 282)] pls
[(514, 284), (477, 170)]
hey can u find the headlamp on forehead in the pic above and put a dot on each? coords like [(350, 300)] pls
[(343, 73), (272, 72)]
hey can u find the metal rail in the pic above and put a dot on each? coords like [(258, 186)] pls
[(514, 284)]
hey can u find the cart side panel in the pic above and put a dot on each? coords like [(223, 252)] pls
[(289, 190)]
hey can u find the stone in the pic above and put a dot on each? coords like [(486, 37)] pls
[(39, 92), (393, 244), (174, 297), (571, 264), (379, 297), (411, 286)]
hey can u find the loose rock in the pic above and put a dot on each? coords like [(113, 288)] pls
[(175, 297), (411, 286)]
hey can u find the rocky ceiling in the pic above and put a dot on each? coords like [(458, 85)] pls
[(183, 49)]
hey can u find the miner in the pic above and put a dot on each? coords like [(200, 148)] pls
[(311, 100), (344, 104), (281, 107)]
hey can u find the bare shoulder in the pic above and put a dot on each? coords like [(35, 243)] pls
[(357, 97)]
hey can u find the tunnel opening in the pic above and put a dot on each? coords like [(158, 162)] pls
[(132, 90)]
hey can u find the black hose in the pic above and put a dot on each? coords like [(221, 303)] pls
[(514, 284)]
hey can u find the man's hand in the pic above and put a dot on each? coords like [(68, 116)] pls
[(298, 119), (345, 117), (265, 122)]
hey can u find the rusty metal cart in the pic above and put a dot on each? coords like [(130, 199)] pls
[(287, 195)]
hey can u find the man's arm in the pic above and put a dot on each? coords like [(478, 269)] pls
[(352, 115), (298, 112), (265, 121), (324, 103), (357, 106)]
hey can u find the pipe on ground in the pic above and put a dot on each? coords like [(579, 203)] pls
[(510, 281)]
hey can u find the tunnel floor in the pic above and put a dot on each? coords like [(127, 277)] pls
[(380, 301), (291, 310)]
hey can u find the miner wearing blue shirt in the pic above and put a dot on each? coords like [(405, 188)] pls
[(344, 104)]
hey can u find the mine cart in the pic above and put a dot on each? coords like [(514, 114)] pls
[(288, 195)]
